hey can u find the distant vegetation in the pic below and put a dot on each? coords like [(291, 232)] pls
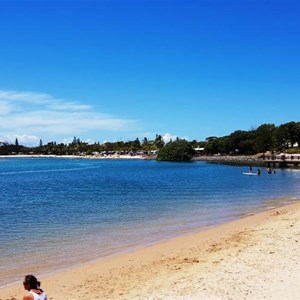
[(179, 150), (78, 147), (267, 137)]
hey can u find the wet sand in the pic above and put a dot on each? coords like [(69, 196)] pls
[(256, 257)]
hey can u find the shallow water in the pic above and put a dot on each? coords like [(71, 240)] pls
[(59, 212)]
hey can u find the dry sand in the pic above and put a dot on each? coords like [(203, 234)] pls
[(257, 257)]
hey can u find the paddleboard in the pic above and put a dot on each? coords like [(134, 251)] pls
[(249, 174)]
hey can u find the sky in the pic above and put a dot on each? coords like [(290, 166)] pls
[(117, 70)]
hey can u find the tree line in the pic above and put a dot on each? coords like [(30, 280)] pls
[(78, 147), (266, 137)]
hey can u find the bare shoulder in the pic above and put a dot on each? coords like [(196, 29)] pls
[(28, 297)]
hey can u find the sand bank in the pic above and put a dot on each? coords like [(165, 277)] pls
[(110, 156), (257, 257)]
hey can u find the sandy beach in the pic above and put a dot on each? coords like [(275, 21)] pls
[(111, 156), (256, 257)]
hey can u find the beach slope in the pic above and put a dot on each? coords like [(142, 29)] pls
[(256, 257)]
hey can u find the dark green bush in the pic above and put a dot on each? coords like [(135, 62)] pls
[(179, 150)]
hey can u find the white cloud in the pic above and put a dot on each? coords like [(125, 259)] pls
[(39, 99), (5, 108), (29, 140), (167, 137), (37, 115)]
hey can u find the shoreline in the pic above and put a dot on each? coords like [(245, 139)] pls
[(116, 156), (229, 160), (236, 160), (184, 266), (225, 158)]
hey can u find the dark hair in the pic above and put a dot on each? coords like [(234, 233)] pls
[(32, 282)]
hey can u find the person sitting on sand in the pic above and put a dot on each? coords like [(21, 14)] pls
[(32, 285)]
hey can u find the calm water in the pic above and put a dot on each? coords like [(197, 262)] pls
[(56, 213)]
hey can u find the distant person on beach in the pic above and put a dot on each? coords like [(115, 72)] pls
[(32, 285), (250, 169), (258, 172), (269, 171)]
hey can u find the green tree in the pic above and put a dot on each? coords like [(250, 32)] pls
[(265, 138), (212, 145), (297, 134), (159, 142), (241, 142), (281, 138), (135, 145), (179, 150), (146, 145), (293, 133)]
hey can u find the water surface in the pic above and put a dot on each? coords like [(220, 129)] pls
[(56, 213)]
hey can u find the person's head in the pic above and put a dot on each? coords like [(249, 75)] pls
[(30, 282)]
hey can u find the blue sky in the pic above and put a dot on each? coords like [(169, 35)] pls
[(111, 70)]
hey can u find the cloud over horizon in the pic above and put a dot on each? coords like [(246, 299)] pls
[(31, 116)]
